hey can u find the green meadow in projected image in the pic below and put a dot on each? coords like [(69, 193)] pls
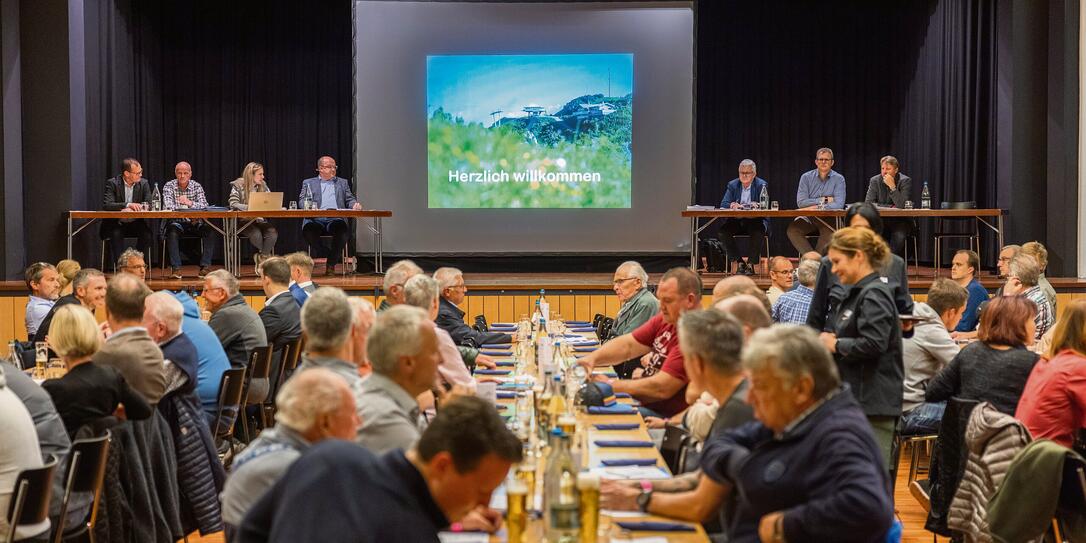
[(529, 131)]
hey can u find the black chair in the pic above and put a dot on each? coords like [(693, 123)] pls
[(231, 388), (86, 472), (942, 230), (596, 319), (30, 498), (675, 438), (288, 362), (259, 369)]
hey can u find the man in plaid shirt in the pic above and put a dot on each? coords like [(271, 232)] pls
[(793, 306), (184, 193), (1022, 278)]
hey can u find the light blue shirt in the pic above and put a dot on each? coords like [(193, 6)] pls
[(36, 310), (328, 194), (128, 192), (744, 197), (812, 188)]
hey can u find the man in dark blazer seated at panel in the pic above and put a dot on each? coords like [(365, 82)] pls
[(328, 192), (125, 193), (451, 319), (743, 193)]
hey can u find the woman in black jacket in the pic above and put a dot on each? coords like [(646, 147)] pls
[(866, 336)]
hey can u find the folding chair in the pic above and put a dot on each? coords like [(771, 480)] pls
[(86, 473), (30, 499)]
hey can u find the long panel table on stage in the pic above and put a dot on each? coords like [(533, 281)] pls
[(832, 218), (229, 225)]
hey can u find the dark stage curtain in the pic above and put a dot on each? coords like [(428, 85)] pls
[(778, 80), (219, 84)]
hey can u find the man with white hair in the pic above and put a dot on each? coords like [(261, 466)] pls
[(1022, 280), (238, 327), (744, 192), (792, 307), (327, 320), (451, 319), (162, 317), (421, 292), (396, 278), (313, 406), (638, 305), (402, 347)]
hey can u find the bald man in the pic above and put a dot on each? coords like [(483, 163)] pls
[(183, 192), (328, 191), (740, 284)]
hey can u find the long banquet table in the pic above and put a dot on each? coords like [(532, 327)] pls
[(832, 218), (229, 225), (534, 532)]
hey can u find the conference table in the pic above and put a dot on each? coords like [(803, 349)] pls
[(229, 225), (534, 532), (832, 218)]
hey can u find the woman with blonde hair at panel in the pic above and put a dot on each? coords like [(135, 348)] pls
[(260, 232)]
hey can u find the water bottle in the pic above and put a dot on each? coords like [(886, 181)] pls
[(763, 199), (544, 307), (308, 201), (156, 199), (925, 197)]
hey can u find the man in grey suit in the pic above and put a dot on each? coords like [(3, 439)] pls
[(125, 193), (891, 188), (328, 191), (129, 348), (281, 315)]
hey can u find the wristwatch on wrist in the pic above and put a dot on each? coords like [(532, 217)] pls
[(645, 496)]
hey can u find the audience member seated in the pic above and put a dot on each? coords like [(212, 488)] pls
[(328, 323), (281, 315), (238, 327), (328, 192), (780, 278), (928, 351), (807, 418), (792, 306), (66, 270), (314, 406), (128, 347), (396, 277), (211, 358), (739, 284), (741, 193), (1053, 403), (126, 192), (995, 368), (865, 338), (1006, 254), (132, 262), (20, 452), (89, 391), (819, 187), (338, 488), (184, 192), (662, 387), (711, 341), (261, 233), (422, 292), (1022, 281), (402, 347), (829, 292), (42, 280), (52, 438), (301, 276), (88, 290), (963, 270), (363, 315), (163, 316), (1040, 255), (636, 306), (451, 319), (891, 188)]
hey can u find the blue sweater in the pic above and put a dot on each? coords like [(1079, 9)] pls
[(211, 358), (971, 317), (826, 475)]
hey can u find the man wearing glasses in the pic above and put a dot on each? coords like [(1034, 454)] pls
[(744, 193), (638, 305), (328, 191), (780, 278), (126, 192), (820, 188)]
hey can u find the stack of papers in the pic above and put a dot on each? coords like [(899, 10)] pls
[(700, 208)]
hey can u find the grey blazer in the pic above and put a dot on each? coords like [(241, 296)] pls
[(878, 193), (344, 197)]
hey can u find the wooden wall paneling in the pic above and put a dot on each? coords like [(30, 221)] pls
[(490, 309), (613, 306), (599, 305), (706, 301), (467, 306), (583, 311), (18, 313), (7, 327), (256, 302), (376, 300), (505, 308), (522, 305)]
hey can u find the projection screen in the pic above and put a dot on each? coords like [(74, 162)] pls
[(510, 128)]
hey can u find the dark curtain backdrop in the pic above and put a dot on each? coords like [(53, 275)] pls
[(777, 80), (220, 84)]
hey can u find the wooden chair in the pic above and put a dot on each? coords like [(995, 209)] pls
[(86, 473), (30, 499)]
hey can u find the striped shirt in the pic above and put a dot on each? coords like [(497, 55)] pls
[(1045, 317), (793, 305)]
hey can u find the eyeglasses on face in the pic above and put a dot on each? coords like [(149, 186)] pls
[(617, 282)]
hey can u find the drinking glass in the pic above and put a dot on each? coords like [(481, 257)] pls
[(41, 357), (146, 206), (293, 204), (774, 205), (908, 204)]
